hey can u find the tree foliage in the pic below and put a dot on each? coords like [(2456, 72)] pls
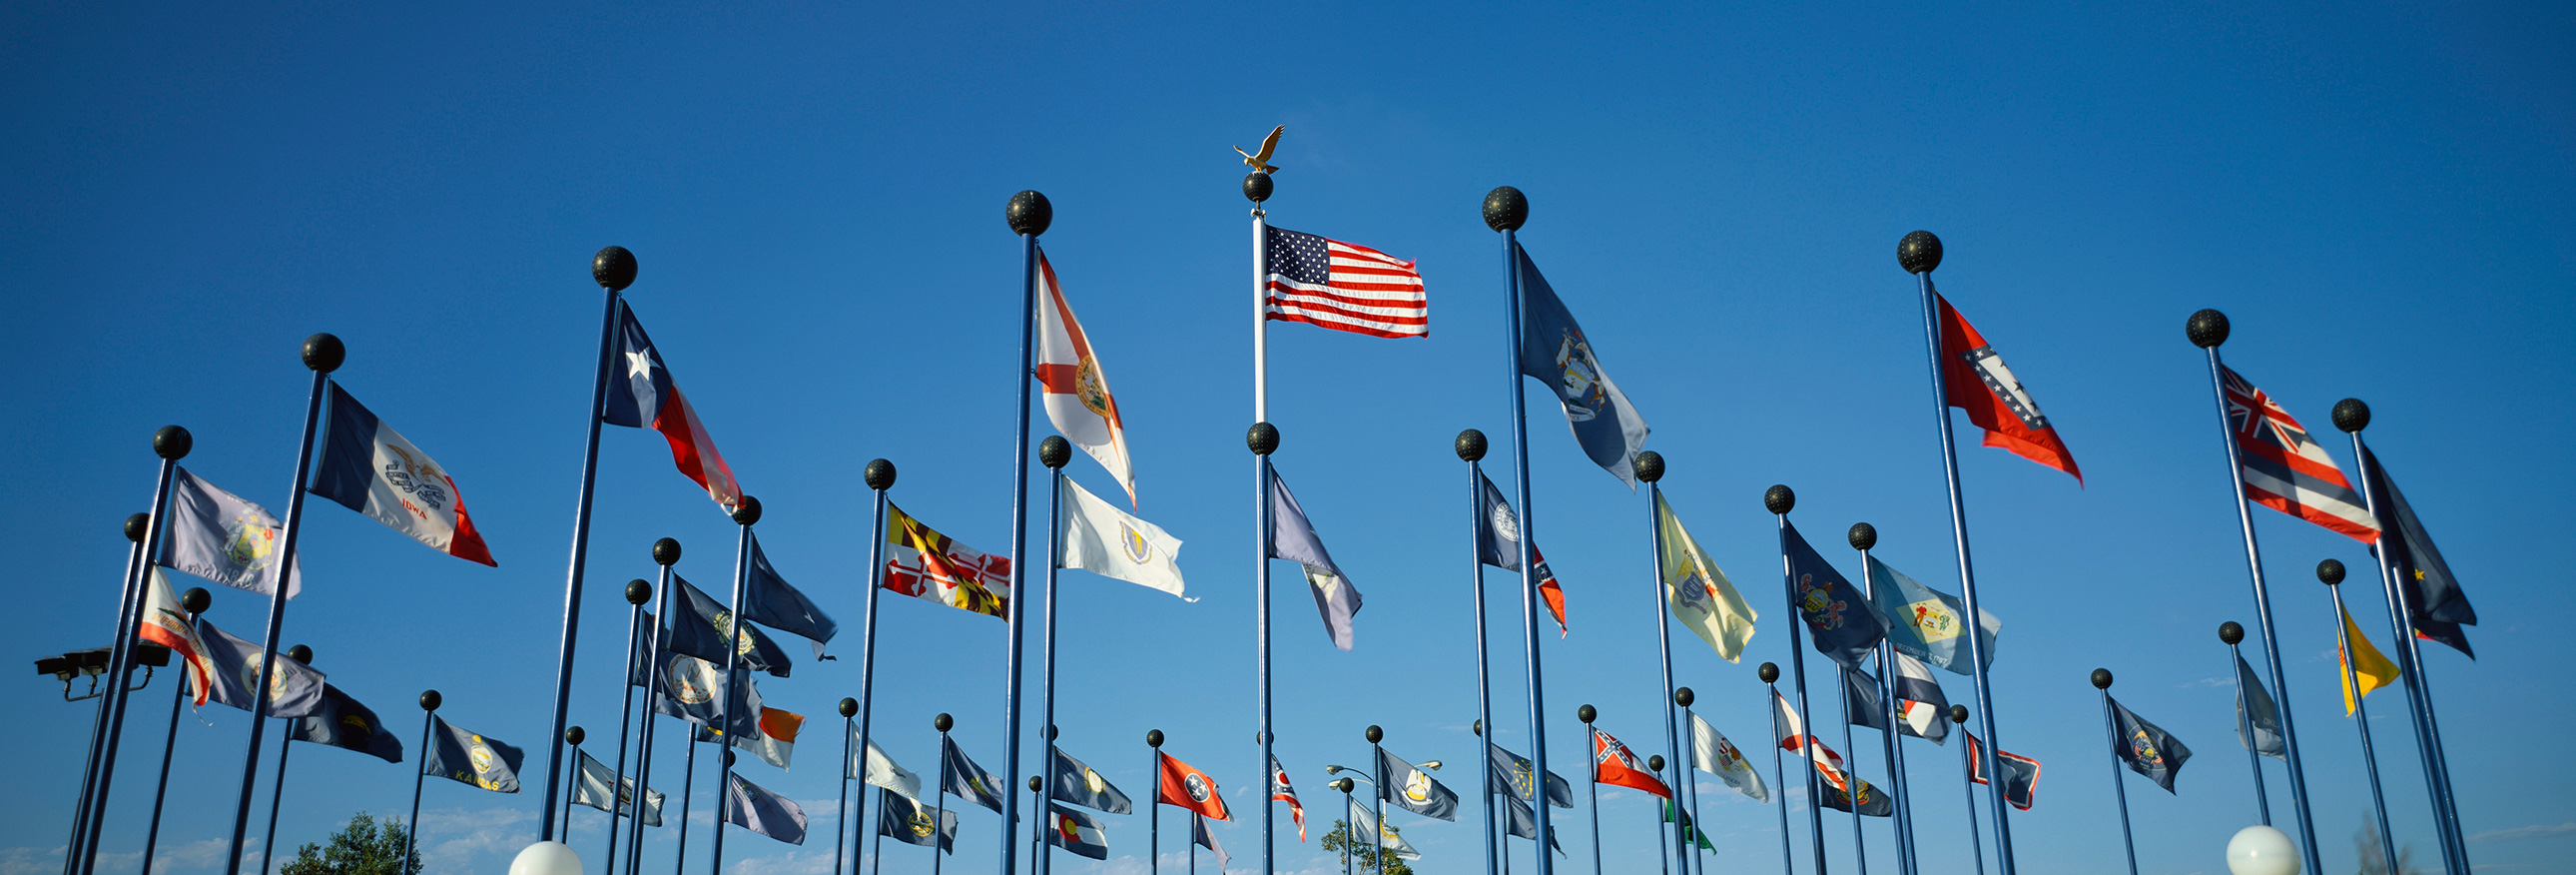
[(365, 846), (1366, 852)]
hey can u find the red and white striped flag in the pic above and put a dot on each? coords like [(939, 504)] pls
[(1343, 287), (2286, 470)]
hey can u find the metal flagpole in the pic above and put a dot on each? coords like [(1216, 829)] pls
[(880, 477), (1505, 209), (277, 788), (2351, 416), (1194, 843), (1154, 812), (1860, 849), (727, 705), (1650, 469), (1919, 253), (2207, 329), (637, 593), (2119, 788), (876, 861), (2330, 572), (841, 799), (129, 605), (323, 354), (1770, 674), (1377, 769), (1471, 449), (1591, 788), (429, 701), (1862, 537), (171, 443), (2231, 633), (666, 553), (573, 737), (1029, 214), (688, 776), (194, 602), (1263, 439), (1350, 826), (1053, 452), (940, 844), (1664, 850), (1691, 782), (614, 269), (1968, 782), (1779, 499)]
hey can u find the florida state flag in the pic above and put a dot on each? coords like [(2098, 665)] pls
[(1974, 377), (1077, 393), (1613, 764), (1184, 785)]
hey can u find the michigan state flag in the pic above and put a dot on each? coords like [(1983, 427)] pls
[(700, 631), (1928, 624), (2148, 750), (1078, 784), (1554, 350), (469, 758), (342, 722), (907, 821), (1413, 789), (1842, 622)]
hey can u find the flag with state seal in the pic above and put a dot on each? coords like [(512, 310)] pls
[(222, 537), (1101, 539), (1413, 789), (368, 467), (1076, 783), (1183, 785), (1076, 392), (1928, 624), (469, 758)]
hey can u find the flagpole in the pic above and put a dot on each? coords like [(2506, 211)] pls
[(1770, 674), (2208, 329), (1862, 537), (1649, 467), (666, 553), (1350, 826), (2231, 633), (1029, 214), (940, 844), (841, 799), (322, 354), (1153, 812), (1505, 210), (614, 269), (1263, 439), (2119, 788), (744, 516), (1053, 452), (1851, 775), (880, 477), (171, 443), (429, 701), (688, 776), (1698, 829), (277, 788), (2330, 572), (1655, 766), (637, 593), (2351, 416), (128, 605), (1779, 499), (573, 737), (1968, 782), (194, 602), (1919, 253), (1470, 446), (1377, 769)]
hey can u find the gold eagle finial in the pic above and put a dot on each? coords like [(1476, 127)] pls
[(1261, 160)]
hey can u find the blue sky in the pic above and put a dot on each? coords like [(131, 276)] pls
[(2377, 195)]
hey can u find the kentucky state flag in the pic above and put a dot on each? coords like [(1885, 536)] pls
[(368, 467), (1554, 350), (1845, 626)]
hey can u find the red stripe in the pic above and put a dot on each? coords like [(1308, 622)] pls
[(1341, 326), (1337, 314), (1328, 300), (1411, 298)]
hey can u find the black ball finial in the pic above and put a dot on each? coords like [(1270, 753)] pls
[(1683, 697), (1779, 498), (429, 700), (1054, 451), (1769, 672), (1344, 785), (1918, 252), (2330, 572), (1655, 762), (1036, 784), (748, 512), (1154, 738), (2351, 415), (666, 551), (324, 353), (1476, 728), (2231, 633), (1862, 536), (1263, 439), (2206, 328), (880, 475), (196, 600), (136, 526), (1470, 445), (943, 722), (1374, 734), (173, 443), (1586, 713), (1256, 186), (1649, 466), (573, 735), (1959, 714), (613, 268), (300, 653), (2101, 678), (638, 591), (849, 707), (1506, 208), (1029, 213)]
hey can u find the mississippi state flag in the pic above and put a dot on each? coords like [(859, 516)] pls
[(1613, 764), (2286, 470), (1185, 786), (1974, 378), (369, 468), (1341, 286), (646, 396), (1077, 393)]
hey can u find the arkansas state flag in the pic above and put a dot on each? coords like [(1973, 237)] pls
[(1077, 393), (369, 468), (1613, 764), (1974, 377), (647, 396), (1184, 785)]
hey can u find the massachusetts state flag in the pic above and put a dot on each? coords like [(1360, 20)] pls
[(646, 396), (2286, 470), (931, 566), (1613, 764), (1076, 392), (1342, 286), (1975, 380), (1184, 785), (368, 467)]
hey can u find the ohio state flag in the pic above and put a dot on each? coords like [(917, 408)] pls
[(1975, 379), (1076, 392)]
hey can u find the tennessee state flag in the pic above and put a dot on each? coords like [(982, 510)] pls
[(646, 396), (1076, 392), (1613, 764), (1184, 785), (1974, 377)]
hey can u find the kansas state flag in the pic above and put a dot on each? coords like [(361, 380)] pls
[(371, 469), (1554, 350)]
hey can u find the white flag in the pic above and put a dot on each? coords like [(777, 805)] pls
[(216, 535), (1101, 539), (1077, 394), (1364, 820), (881, 771), (591, 788), (1712, 753)]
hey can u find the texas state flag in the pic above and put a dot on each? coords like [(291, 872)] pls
[(645, 396), (371, 469)]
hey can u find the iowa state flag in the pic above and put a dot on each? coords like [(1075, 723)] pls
[(1974, 378), (646, 396), (368, 467)]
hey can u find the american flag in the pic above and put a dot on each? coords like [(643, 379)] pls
[(2286, 470), (1343, 287)]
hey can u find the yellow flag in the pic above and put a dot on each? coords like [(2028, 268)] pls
[(1702, 598), (2374, 671)]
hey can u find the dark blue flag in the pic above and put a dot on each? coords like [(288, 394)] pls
[(689, 688), (699, 631), (962, 777), (1845, 626), (910, 822), (1078, 784), (467, 758), (1554, 350), (1293, 538), (769, 601), (1512, 773), (1413, 789), (2435, 606), (343, 722), (2148, 750)]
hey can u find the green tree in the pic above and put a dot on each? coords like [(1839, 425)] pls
[(366, 846), (1340, 839)]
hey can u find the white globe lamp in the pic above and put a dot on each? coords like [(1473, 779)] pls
[(2256, 850), (557, 858)]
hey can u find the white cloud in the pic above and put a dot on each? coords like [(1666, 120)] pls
[(2535, 831)]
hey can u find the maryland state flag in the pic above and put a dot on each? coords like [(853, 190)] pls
[(1613, 764), (931, 566), (1974, 379), (1185, 786)]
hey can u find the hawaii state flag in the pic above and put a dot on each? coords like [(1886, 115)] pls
[(931, 566), (1613, 764), (1076, 392), (646, 396), (1974, 379), (1185, 786), (368, 467), (2285, 469)]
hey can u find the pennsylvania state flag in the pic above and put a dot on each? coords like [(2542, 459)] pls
[(1845, 626)]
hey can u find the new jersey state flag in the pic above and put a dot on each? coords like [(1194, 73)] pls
[(1974, 379), (1077, 393), (1702, 598), (368, 467)]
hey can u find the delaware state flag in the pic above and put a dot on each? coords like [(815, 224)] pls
[(371, 469)]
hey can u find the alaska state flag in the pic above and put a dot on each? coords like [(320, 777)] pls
[(646, 396), (368, 467), (1554, 350)]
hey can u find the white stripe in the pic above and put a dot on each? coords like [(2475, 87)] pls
[(1418, 301), (1329, 318), (2302, 496)]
